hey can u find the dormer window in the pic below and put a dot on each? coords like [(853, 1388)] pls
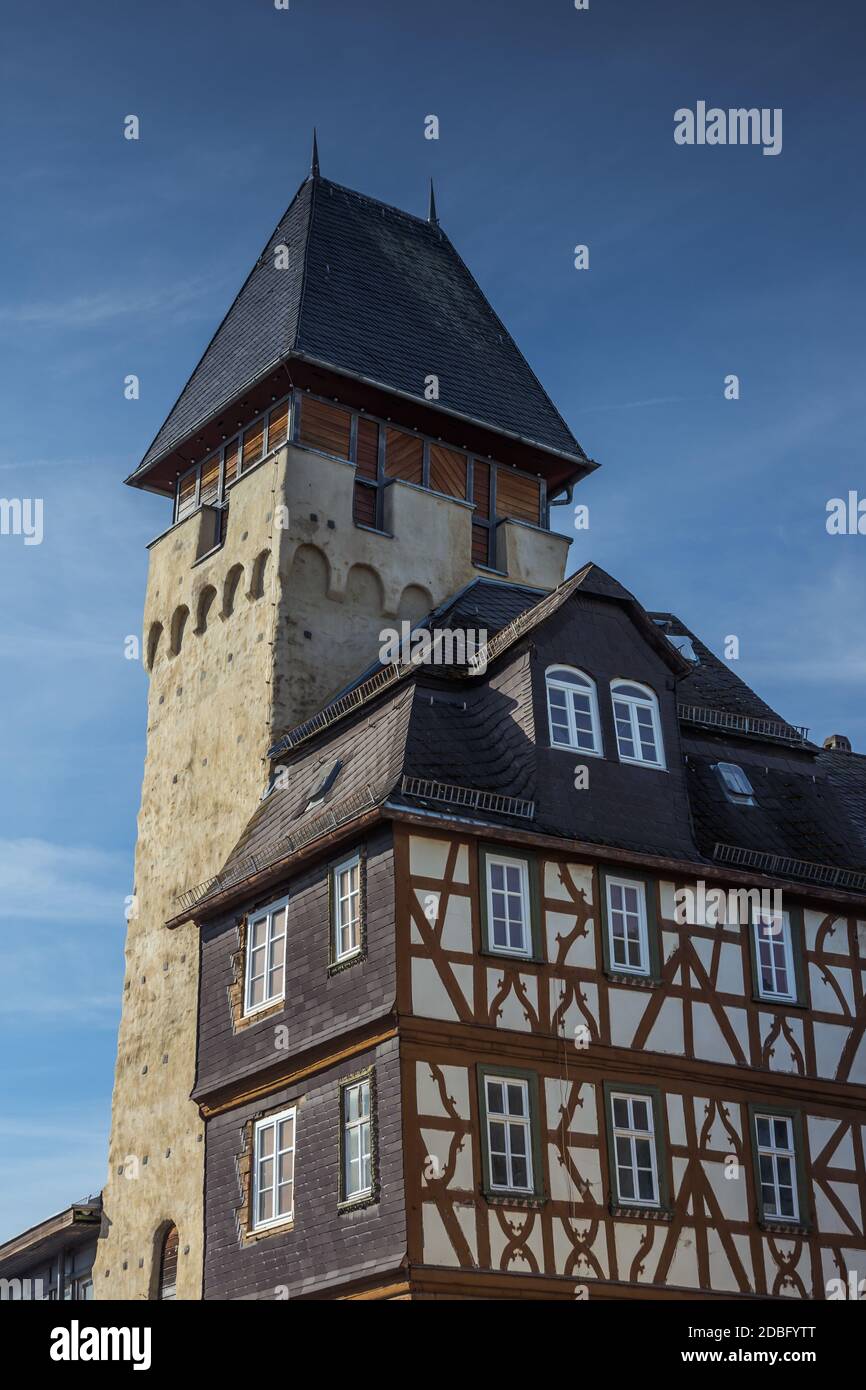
[(572, 708), (737, 786), (638, 730)]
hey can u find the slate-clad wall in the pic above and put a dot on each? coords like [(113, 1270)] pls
[(625, 804), (325, 1246), (318, 1005)]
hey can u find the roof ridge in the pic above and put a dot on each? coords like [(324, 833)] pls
[(435, 231)]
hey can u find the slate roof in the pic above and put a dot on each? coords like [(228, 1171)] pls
[(379, 294), (847, 774), (444, 726), (798, 812)]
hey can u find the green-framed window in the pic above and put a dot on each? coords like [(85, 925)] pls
[(510, 1122), (629, 922), (636, 1147), (510, 902), (776, 949), (778, 1150)]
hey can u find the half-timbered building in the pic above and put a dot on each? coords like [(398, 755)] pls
[(540, 975)]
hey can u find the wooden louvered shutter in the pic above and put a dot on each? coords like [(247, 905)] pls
[(325, 427), (447, 471), (278, 425), (404, 456), (518, 496)]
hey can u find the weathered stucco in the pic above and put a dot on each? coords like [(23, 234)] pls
[(249, 660)]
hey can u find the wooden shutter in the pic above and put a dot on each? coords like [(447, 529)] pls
[(447, 471), (517, 495), (325, 427), (278, 425), (210, 481), (186, 494), (232, 455), (254, 445), (404, 456), (481, 487), (481, 545), (168, 1264), (367, 464), (364, 508)]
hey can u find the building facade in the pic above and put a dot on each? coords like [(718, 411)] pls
[(360, 440), (532, 966)]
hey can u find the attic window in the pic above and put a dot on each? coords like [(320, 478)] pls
[(320, 791), (737, 786)]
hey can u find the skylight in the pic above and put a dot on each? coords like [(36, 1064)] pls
[(683, 645), (324, 785), (737, 786)]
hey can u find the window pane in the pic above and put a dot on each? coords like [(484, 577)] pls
[(515, 1100), (254, 444), (494, 1097)]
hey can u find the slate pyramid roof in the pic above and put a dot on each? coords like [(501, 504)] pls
[(373, 293)]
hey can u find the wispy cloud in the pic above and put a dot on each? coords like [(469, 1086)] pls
[(176, 303), (40, 881)]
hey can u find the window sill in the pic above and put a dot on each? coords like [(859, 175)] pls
[(530, 1201), (780, 1227), (510, 958), (335, 967), (617, 977), (373, 530), (768, 1003), (639, 1213), (359, 1203), (278, 1228)]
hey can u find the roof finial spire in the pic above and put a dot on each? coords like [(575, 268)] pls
[(431, 213), (314, 165)]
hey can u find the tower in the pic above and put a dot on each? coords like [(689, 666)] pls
[(360, 440)]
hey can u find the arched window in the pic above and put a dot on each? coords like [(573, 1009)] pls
[(572, 709), (638, 730), (167, 1287)]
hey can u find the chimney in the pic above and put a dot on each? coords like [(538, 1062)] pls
[(838, 743)]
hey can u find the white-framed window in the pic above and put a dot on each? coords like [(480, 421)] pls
[(357, 1135), (774, 956), (634, 1149), (346, 908), (636, 718), (777, 1166), (508, 920), (628, 939), (509, 1133), (266, 957), (572, 710), (274, 1169)]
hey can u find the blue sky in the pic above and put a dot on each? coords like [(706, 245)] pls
[(556, 128)]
